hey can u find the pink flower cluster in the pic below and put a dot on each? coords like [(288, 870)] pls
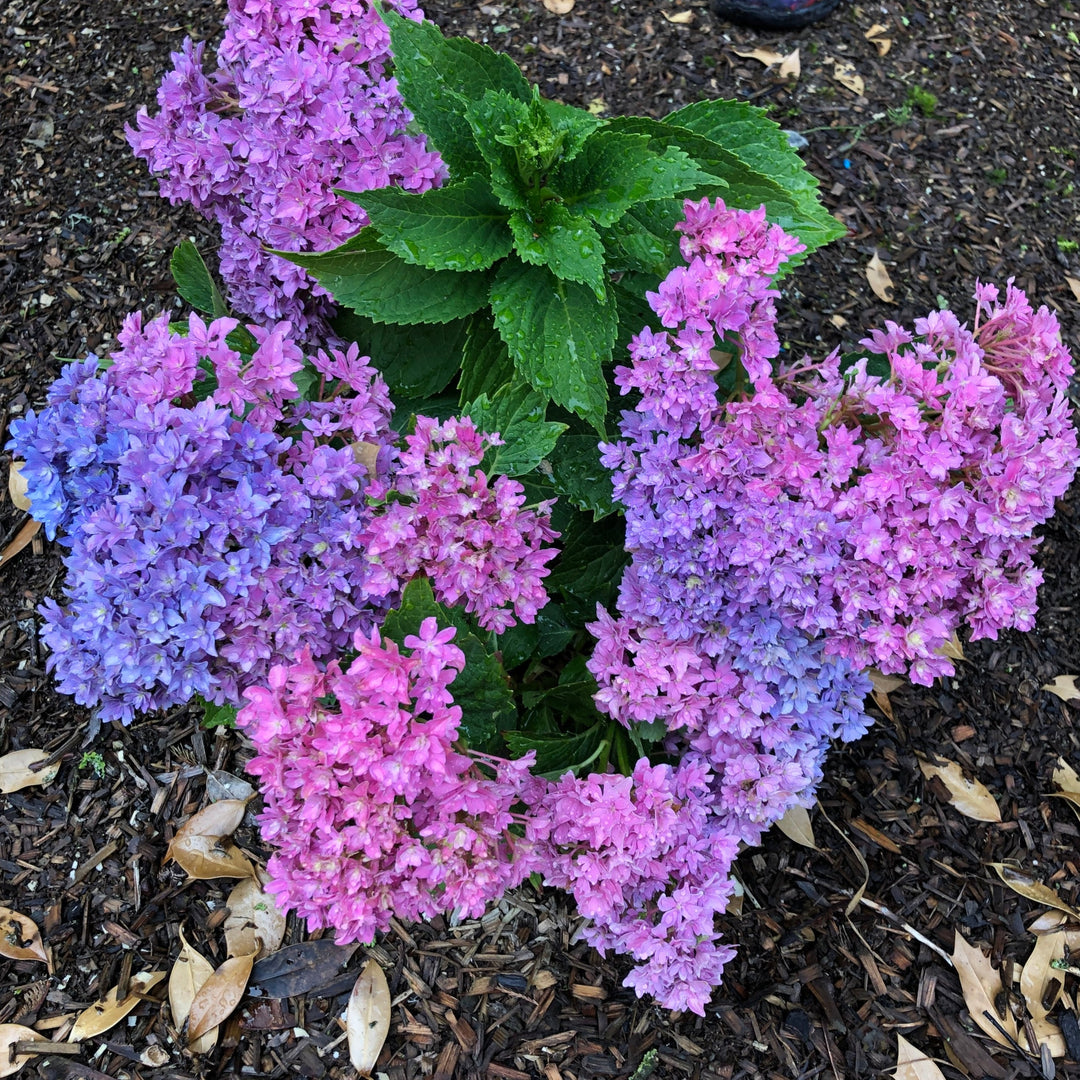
[(372, 811), (300, 103), (471, 537)]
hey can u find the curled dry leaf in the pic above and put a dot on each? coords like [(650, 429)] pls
[(981, 985), (108, 1012), (679, 17), (913, 1064), (768, 57), (846, 75), (970, 797), (188, 975), (790, 66), (883, 686), (795, 825), (16, 772), (1065, 777), (1074, 286), (255, 925), (1041, 986), (10, 1034), (1033, 889), (878, 277), (23, 537), (219, 819), (876, 36), (208, 857), (216, 999), (559, 7), (17, 486), (20, 938), (367, 1018), (1064, 687)]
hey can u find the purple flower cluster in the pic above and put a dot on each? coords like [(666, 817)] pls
[(300, 103), (372, 810)]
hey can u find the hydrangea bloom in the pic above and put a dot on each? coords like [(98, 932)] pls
[(300, 103), (372, 811)]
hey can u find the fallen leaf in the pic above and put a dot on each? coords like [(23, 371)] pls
[(883, 686), (367, 1018), (597, 106), (790, 66), (559, 7), (10, 1034), (17, 486), (20, 938), (219, 819), (1065, 776), (207, 857), (795, 825), (1064, 687), (1027, 886), (188, 975), (876, 36), (913, 1064), (970, 797), (216, 999), (879, 279), (300, 968), (765, 56), (1074, 284), (737, 898), (108, 1012), (953, 649), (838, 321), (367, 453), (846, 75), (222, 785), (254, 925), (680, 17), (1039, 982), (22, 538), (16, 774), (981, 985)]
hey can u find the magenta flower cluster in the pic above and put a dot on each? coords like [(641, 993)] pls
[(372, 810), (300, 103), (213, 539)]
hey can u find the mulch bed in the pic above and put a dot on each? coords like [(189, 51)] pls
[(978, 182)]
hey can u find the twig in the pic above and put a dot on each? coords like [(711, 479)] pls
[(883, 910)]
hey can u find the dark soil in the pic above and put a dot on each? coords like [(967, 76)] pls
[(957, 161)]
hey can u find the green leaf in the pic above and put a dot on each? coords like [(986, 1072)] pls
[(481, 690), (573, 124), (381, 285), (516, 412), (437, 77), (644, 238), (616, 170), (558, 754), (518, 643), (194, 281), (499, 123), (486, 365), (440, 407), (753, 138), (458, 227), (416, 361), (569, 246), (558, 335), (215, 716), (579, 476), (555, 632), (589, 568)]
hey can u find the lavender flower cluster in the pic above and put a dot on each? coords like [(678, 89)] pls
[(210, 540), (300, 102)]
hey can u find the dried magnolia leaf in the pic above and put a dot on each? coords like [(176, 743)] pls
[(1037, 978), (876, 36), (1064, 687), (16, 774), (790, 66), (764, 56), (188, 975), (219, 819), (10, 1034), (846, 75), (17, 486), (597, 106), (255, 925), (559, 7), (795, 825), (367, 1019), (1065, 776), (209, 857), (222, 785), (1074, 285), (970, 797), (880, 282), (300, 969), (953, 648), (913, 1064), (216, 999), (108, 1012), (680, 17), (1029, 887), (981, 986), (22, 538), (367, 453), (20, 938)]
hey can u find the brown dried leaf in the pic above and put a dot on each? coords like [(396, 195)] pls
[(790, 66), (880, 282), (981, 985), (876, 36), (16, 774), (10, 1034), (1064, 687), (845, 74), (108, 1012), (20, 938), (913, 1064), (1038, 976), (559, 7), (216, 999), (22, 538), (795, 825), (970, 797), (208, 857), (953, 648), (1065, 776), (680, 17), (17, 486), (768, 57), (221, 818), (255, 925), (188, 975), (367, 1018), (1074, 285), (1030, 887)]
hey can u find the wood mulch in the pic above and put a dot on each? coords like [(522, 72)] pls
[(840, 946)]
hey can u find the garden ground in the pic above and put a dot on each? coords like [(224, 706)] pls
[(953, 158)]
